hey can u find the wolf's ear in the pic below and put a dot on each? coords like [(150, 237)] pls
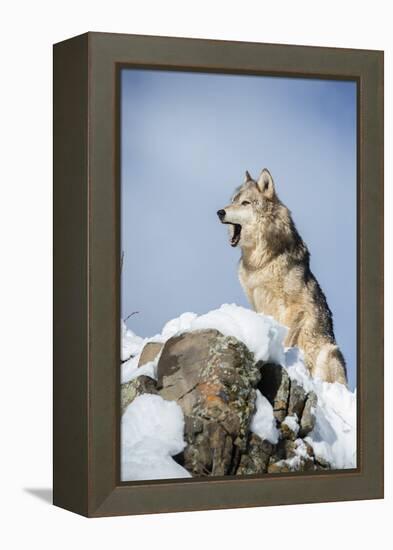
[(247, 177), (266, 184)]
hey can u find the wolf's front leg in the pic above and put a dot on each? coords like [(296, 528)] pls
[(267, 302)]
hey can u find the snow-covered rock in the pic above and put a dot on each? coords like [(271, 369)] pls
[(295, 423)]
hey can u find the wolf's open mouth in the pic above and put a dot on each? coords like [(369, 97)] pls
[(234, 233)]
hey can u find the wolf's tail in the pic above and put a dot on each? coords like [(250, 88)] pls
[(330, 365)]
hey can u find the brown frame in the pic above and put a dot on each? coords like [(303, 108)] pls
[(86, 274)]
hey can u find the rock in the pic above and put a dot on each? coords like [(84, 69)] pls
[(193, 425), (256, 460), (212, 377), (181, 389), (275, 386), (137, 386), (307, 422), (297, 398), (149, 352), (321, 463), (309, 449), (289, 427), (294, 456), (278, 467)]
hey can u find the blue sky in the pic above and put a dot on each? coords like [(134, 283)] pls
[(186, 140)]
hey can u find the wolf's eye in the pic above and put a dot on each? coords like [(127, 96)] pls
[(244, 203)]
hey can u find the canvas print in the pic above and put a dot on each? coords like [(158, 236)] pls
[(238, 275)]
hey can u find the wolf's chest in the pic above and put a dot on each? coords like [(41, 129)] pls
[(265, 290), (271, 278)]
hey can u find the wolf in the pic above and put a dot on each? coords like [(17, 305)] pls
[(274, 271)]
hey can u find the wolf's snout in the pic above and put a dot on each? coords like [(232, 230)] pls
[(221, 214)]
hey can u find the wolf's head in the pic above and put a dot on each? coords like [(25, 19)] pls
[(252, 205)]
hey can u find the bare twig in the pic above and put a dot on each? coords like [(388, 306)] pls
[(130, 315)]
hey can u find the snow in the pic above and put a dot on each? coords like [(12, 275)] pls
[(152, 426), (263, 422), (334, 436), (151, 433), (131, 344), (260, 333), (130, 369)]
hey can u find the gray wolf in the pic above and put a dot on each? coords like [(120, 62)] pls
[(274, 271)]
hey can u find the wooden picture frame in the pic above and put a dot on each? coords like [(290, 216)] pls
[(87, 278)]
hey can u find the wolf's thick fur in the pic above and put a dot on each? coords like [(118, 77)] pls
[(274, 271)]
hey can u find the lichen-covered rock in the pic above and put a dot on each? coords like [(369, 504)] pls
[(295, 456), (256, 459), (138, 386), (297, 398), (307, 422), (212, 377), (290, 427), (149, 352)]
